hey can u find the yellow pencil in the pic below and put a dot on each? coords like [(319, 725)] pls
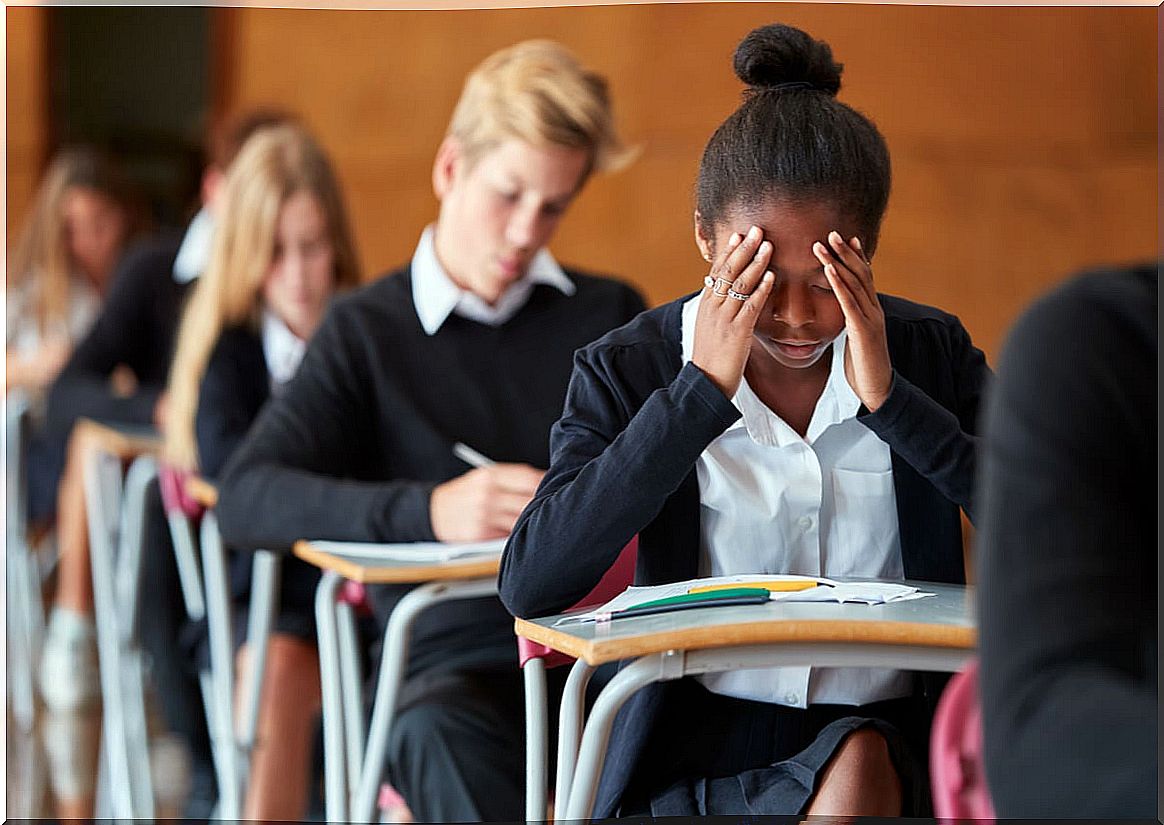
[(774, 585)]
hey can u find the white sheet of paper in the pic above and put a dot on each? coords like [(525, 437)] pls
[(433, 552), (840, 592)]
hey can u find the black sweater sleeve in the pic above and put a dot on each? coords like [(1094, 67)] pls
[(296, 474), (939, 441), (123, 334), (233, 390), (1068, 557), (611, 469)]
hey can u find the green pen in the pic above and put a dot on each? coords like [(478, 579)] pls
[(729, 596)]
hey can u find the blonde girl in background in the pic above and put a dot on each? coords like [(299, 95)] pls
[(282, 249), (81, 220)]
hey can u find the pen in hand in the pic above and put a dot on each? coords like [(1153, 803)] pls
[(470, 456), (483, 503)]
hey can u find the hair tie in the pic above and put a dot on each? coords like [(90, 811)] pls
[(790, 85)]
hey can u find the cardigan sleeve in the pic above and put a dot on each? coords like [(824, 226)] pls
[(611, 470), (295, 474), (938, 440)]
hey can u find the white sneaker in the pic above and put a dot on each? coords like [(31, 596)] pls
[(71, 750), (169, 774), (69, 679)]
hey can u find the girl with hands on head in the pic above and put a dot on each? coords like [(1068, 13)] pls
[(785, 418)]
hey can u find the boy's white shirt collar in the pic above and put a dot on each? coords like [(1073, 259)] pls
[(436, 297), (194, 253), (837, 401)]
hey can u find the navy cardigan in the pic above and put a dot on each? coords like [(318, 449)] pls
[(623, 458)]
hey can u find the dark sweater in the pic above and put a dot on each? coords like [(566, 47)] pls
[(1068, 555), (353, 447), (234, 388), (635, 422), (136, 328)]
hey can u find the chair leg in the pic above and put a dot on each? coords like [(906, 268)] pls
[(536, 736)]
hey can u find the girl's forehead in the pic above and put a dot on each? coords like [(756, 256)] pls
[(783, 215)]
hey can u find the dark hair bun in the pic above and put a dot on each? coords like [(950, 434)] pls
[(776, 54)]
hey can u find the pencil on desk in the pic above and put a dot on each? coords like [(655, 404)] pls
[(773, 585)]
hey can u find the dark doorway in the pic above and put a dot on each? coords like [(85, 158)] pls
[(135, 81)]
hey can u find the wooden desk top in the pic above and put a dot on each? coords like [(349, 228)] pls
[(397, 572), (940, 621), (124, 442), (202, 491)]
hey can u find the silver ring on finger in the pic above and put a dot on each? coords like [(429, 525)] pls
[(723, 287), (739, 296)]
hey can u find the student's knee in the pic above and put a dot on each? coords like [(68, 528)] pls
[(860, 779), (865, 752)]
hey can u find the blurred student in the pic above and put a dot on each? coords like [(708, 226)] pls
[(82, 218), (787, 418), (471, 342), (84, 215), (282, 248), (117, 374), (1069, 554)]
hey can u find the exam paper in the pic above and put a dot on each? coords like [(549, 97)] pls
[(432, 552), (832, 591), (859, 592)]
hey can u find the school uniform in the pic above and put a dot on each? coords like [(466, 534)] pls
[(245, 367), (625, 460), (398, 373)]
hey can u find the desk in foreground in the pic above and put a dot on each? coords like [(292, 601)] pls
[(933, 633), (943, 620)]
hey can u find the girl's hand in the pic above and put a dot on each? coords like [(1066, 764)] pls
[(724, 324), (867, 365)]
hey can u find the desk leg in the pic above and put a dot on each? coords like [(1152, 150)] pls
[(334, 769), (592, 753), (536, 736), (218, 618), (392, 669), (186, 560), (265, 569), (102, 482), (570, 732), (142, 472), (351, 690)]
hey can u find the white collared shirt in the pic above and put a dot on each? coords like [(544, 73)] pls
[(283, 350), (436, 297), (774, 502), (194, 253)]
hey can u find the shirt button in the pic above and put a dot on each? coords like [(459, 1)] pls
[(806, 523), (792, 698)]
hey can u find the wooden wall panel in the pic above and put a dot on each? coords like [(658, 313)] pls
[(1024, 140), (27, 116)]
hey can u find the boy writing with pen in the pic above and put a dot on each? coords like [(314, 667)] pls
[(470, 344)]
